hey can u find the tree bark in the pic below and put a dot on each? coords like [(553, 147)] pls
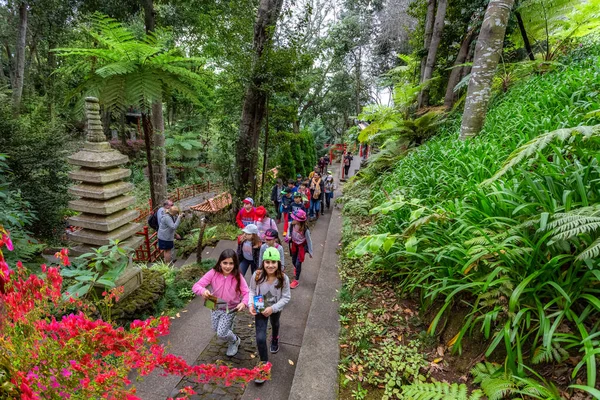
[(159, 154), (19, 73), (200, 243), (436, 37), (147, 128), (253, 109), (487, 54), (428, 31), (456, 72), (357, 78), (524, 36)]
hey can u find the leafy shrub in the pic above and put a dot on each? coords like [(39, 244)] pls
[(36, 150), (493, 248), (296, 153)]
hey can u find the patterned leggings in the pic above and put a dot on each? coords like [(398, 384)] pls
[(222, 324)]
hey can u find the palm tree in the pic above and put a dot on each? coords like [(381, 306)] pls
[(127, 71)]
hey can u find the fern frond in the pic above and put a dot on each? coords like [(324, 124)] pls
[(539, 143), (439, 391), (497, 388), (548, 354)]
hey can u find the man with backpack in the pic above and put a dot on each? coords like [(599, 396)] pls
[(155, 218)]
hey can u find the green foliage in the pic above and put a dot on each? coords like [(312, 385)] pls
[(126, 70), (179, 282), (439, 391), (551, 24), (100, 268), (15, 218), (295, 153), (36, 150), (516, 251), (212, 235)]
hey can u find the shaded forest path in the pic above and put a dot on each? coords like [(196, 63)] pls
[(306, 365)]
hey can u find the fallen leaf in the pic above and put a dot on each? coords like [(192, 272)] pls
[(252, 356), (184, 310), (348, 377), (343, 346), (291, 362), (172, 317), (437, 360), (440, 351), (178, 315)]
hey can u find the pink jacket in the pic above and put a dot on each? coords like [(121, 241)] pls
[(224, 287)]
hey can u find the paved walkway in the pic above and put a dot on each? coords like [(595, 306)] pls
[(306, 365)]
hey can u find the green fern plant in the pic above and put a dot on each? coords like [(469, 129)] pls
[(539, 143), (439, 391), (582, 221), (125, 70)]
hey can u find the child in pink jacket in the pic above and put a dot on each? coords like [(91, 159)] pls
[(231, 290)]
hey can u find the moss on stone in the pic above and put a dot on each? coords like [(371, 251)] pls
[(141, 302)]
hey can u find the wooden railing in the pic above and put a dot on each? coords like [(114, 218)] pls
[(177, 195), (149, 251)]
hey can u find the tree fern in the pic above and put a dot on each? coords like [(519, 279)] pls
[(130, 71), (539, 143), (439, 391)]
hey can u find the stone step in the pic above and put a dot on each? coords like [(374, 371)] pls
[(101, 192), (99, 176), (88, 236), (102, 207), (104, 223)]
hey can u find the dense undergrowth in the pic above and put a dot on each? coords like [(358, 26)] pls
[(517, 256)]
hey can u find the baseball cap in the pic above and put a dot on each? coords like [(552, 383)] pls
[(248, 200), (271, 234), (271, 254), (299, 176), (250, 228), (297, 194)]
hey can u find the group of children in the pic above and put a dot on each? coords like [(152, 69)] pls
[(260, 250)]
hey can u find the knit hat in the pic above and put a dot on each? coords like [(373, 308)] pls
[(260, 212), (250, 229), (248, 200), (271, 254), (271, 234)]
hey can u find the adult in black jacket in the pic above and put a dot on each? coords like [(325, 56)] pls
[(276, 198)]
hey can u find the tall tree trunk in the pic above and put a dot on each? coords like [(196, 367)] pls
[(455, 74), (487, 54), (19, 73), (357, 77), (147, 128), (253, 109), (428, 31), (159, 154), (436, 36), (524, 36)]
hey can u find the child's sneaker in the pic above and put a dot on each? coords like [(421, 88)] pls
[(259, 381), (294, 284), (274, 345), (233, 347)]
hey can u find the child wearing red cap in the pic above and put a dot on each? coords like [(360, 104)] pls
[(247, 215), (263, 222)]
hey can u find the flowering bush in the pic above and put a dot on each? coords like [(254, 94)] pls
[(74, 356)]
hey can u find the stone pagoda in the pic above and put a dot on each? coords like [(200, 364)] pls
[(104, 198)]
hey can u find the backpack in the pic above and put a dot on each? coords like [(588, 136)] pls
[(153, 221)]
